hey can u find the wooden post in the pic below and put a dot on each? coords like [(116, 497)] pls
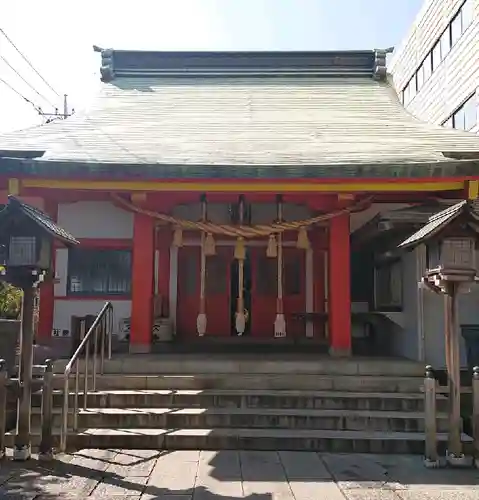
[(453, 371), (431, 457), (3, 405), (22, 450), (455, 456), (475, 413), (46, 444)]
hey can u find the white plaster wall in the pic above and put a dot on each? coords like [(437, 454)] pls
[(95, 219), (65, 309), (405, 340), (434, 325), (88, 219)]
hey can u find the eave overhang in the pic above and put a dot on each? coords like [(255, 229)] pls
[(460, 169)]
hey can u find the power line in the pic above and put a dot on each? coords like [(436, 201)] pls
[(25, 81), (37, 109), (28, 62)]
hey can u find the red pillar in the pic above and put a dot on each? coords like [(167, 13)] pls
[(339, 286), (47, 298), (142, 284)]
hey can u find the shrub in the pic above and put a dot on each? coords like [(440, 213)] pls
[(10, 301)]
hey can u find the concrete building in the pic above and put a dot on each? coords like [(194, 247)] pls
[(436, 68)]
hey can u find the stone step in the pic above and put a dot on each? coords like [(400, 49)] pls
[(184, 364), (249, 439), (327, 400), (265, 381), (345, 420)]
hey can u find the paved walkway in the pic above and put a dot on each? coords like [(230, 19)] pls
[(195, 475)]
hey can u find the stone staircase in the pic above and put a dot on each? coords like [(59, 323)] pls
[(288, 404)]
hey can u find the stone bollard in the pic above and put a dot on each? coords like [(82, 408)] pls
[(3, 405), (431, 457), (46, 444), (475, 413)]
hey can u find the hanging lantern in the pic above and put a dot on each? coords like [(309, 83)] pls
[(240, 249), (272, 250), (178, 237), (303, 240), (210, 246)]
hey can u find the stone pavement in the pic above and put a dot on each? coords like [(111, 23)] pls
[(201, 475)]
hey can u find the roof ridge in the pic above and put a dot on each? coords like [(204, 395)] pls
[(130, 63)]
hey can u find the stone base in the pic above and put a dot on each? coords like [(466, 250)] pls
[(339, 352), (22, 453), (140, 348), (46, 456), (432, 464), (462, 461)]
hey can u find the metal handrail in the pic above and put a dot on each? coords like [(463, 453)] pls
[(103, 324)]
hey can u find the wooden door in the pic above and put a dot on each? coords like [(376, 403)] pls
[(216, 292), (294, 289), (188, 300), (264, 293), (218, 268)]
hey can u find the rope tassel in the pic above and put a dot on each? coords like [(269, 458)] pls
[(178, 237), (210, 245), (272, 250), (303, 240)]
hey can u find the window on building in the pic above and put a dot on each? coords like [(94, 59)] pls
[(388, 286), (420, 77), (448, 123), (427, 65), (456, 28), (446, 42), (459, 119), (470, 113), (99, 272), (465, 117), (467, 14), (410, 90), (436, 55)]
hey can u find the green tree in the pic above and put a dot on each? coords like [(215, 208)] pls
[(10, 301)]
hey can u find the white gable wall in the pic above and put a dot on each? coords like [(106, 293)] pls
[(95, 219), (88, 220)]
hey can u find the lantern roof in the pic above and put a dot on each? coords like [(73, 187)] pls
[(41, 219), (466, 210)]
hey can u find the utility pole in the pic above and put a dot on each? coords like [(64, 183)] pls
[(57, 115)]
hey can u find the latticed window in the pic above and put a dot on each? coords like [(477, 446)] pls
[(99, 272)]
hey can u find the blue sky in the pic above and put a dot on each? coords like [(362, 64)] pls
[(59, 41)]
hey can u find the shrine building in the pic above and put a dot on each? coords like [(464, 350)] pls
[(244, 198)]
